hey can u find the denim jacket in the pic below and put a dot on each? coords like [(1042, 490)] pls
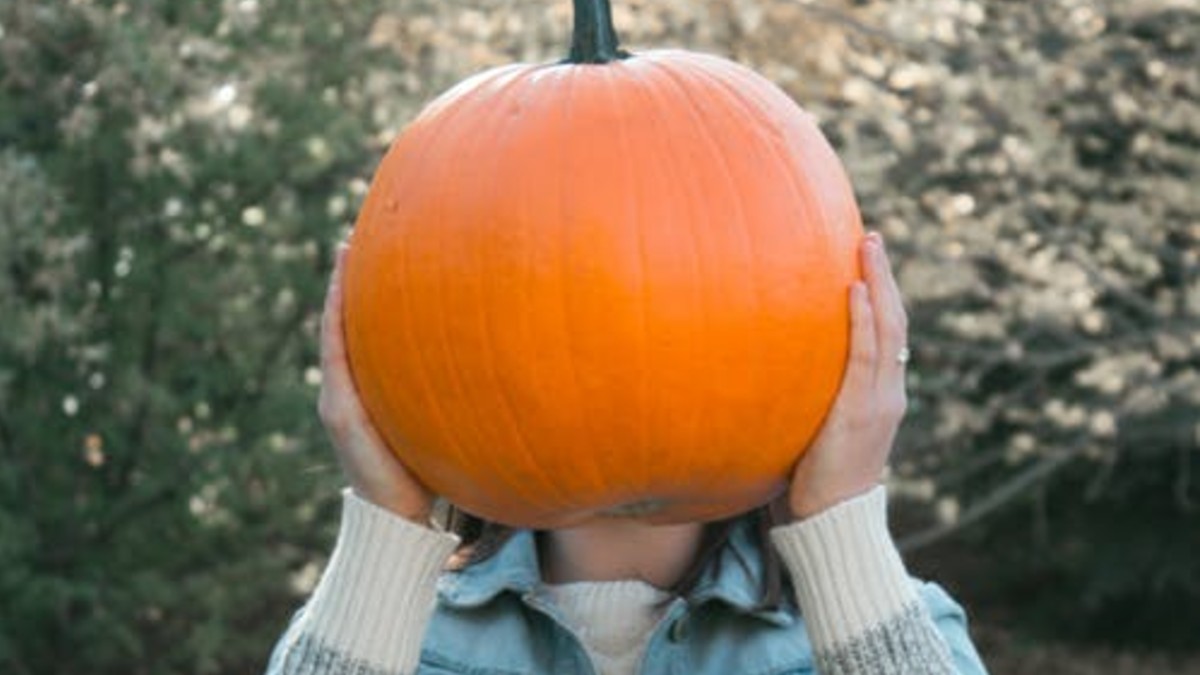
[(495, 618)]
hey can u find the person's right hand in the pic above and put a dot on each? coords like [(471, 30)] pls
[(848, 456), (374, 472)]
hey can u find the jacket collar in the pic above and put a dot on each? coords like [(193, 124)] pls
[(734, 580)]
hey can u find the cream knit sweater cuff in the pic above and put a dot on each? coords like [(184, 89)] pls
[(847, 572), (377, 593)]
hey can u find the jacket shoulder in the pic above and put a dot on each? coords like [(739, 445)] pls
[(951, 621)]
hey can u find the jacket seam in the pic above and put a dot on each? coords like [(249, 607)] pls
[(436, 659)]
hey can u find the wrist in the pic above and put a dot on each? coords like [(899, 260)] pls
[(809, 503), (414, 509), (377, 593), (847, 573)]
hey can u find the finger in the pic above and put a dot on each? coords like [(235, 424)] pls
[(859, 379), (333, 343), (888, 280), (891, 324)]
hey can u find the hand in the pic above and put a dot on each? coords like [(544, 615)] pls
[(848, 455), (374, 473)]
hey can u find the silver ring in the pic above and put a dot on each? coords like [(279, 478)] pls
[(903, 356)]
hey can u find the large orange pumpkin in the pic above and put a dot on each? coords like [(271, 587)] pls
[(611, 285)]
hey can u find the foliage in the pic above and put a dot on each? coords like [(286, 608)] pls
[(1040, 178), (174, 175), (172, 182)]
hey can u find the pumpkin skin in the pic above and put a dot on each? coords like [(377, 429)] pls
[(580, 290)]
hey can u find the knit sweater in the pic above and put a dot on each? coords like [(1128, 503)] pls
[(614, 619), (369, 612)]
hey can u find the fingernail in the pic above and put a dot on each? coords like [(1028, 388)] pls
[(874, 249)]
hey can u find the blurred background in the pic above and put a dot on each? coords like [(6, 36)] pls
[(174, 175)]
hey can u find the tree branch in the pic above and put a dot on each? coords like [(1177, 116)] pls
[(831, 15), (999, 498)]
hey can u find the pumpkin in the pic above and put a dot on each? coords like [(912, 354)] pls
[(614, 285)]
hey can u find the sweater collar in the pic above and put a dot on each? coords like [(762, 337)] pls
[(735, 579)]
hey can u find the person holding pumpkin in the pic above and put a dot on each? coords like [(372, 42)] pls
[(811, 583), (622, 304)]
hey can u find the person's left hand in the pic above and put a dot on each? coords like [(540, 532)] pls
[(849, 454)]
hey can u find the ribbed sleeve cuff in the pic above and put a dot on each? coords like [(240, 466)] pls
[(376, 596), (848, 575)]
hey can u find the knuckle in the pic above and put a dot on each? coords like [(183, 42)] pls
[(330, 413), (338, 429), (863, 355), (895, 406), (859, 423)]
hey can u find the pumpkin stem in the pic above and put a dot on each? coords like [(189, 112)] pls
[(595, 38)]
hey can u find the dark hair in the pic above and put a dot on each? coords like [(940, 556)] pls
[(481, 539)]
